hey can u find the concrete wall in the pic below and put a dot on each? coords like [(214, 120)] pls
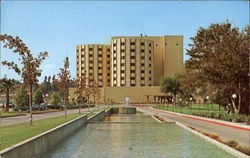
[(97, 117), (124, 110), (43, 142)]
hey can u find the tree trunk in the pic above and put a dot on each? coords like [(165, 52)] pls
[(239, 107), (65, 108), (79, 108), (7, 100), (30, 103)]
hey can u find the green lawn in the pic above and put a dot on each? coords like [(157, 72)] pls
[(4, 114), (13, 134)]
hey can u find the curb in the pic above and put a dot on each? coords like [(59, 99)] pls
[(214, 121), (218, 144)]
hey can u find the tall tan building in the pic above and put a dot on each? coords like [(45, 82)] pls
[(131, 61), (143, 60), (93, 60), (131, 66)]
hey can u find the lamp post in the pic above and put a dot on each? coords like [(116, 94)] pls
[(234, 96), (181, 104), (191, 103), (207, 98)]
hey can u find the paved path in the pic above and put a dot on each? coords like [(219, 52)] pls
[(21, 119), (225, 132)]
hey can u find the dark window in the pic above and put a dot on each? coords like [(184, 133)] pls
[(177, 44), (142, 78), (99, 49), (142, 50), (156, 44), (150, 78), (133, 85), (108, 74), (90, 49), (114, 58), (99, 55), (108, 80), (142, 43), (82, 49), (150, 72), (122, 78), (142, 57), (132, 57), (82, 56), (149, 65), (91, 61), (123, 43), (122, 50), (132, 50), (142, 64), (99, 74), (132, 71), (122, 64), (123, 57), (108, 68), (114, 65), (132, 43), (166, 44), (108, 50), (142, 84), (132, 64), (149, 44), (90, 55), (114, 51), (108, 62), (149, 58), (150, 52), (108, 56), (142, 71), (122, 71), (149, 84), (114, 44), (99, 68), (132, 78), (122, 84)]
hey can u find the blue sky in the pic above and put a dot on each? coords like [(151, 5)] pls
[(58, 26)]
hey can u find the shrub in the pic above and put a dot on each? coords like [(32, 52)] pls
[(231, 143), (243, 149)]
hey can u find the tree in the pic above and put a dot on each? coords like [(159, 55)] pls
[(7, 85), (63, 82), (80, 84), (38, 97), (54, 99), (21, 97), (170, 85), (30, 70), (219, 54)]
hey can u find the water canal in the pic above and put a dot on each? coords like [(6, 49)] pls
[(134, 136)]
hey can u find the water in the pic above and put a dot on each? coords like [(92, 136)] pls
[(134, 136), (126, 101)]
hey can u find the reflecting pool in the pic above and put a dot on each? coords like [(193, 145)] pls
[(134, 136)]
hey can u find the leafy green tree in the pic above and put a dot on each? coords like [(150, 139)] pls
[(38, 97), (7, 85), (54, 99), (219, 55), (170, 85), (21, 97)]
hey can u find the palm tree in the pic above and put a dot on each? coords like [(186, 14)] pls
[(6, 85)]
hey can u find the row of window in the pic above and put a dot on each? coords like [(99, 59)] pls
[(91, 49), (132, 44), (132, 51)]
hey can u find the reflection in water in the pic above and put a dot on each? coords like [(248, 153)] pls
[(120, 137)]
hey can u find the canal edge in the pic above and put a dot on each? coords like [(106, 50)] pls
[(215, 142)]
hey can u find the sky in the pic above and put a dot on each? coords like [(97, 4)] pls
[(58, 26)]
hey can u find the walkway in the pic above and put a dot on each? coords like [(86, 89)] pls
[(241, 135)]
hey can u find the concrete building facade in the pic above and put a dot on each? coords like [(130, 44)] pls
[(131, 62), (93, 60)]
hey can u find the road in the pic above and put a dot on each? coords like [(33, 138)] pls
[(21, 119), (225, 132)]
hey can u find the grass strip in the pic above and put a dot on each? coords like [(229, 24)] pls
[(9, 114), (13, 134)]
